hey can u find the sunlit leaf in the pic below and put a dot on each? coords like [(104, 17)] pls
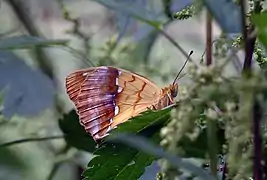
[(143, 121), (27, 91), (116, 161), (144, 145), (76, 136), (227, 14), (25, 42), (260, 20)]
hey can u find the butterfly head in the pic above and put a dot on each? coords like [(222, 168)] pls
[(173, 90)]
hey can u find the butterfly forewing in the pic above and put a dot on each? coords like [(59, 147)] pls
[(105, 97)]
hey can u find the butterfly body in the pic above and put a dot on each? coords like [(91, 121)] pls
[(105, 97)]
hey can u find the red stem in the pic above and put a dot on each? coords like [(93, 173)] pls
[(209, 40)]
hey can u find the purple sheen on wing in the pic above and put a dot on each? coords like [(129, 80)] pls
[(96, 110)]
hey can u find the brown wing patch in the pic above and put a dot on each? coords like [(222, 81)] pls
[(73, 84), (106, 97), (93, 92)]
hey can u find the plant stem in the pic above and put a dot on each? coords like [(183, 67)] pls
[(30, 140), (211, 126), (257, 113), (257, 167), (212, 145), (209, 39), (224, 172), (248, 42)]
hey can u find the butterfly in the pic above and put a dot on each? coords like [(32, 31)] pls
[(106, 96)]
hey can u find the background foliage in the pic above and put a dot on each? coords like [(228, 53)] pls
[(216, 131)]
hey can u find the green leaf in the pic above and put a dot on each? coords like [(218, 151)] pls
[(110, 161), (143, 121), (76, 136), (197, 148), (25, 42), (260, 20), (74, 133), (146, 146), (136, 168), (116, 161)]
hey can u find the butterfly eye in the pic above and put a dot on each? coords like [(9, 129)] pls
[(174, 90)]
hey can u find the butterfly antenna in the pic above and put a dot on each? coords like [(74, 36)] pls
[(188, 57), (181, 76)]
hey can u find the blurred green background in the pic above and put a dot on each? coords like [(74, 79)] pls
[(44, 160)]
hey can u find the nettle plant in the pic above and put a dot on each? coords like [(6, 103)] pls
[(223, 109), (230, 111), (217, 128)]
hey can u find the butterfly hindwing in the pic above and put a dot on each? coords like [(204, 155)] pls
[(105, 97)]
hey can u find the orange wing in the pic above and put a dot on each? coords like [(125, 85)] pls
[(105, 97)]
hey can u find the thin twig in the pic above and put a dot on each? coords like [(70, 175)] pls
[(30, 140), (249, 42)]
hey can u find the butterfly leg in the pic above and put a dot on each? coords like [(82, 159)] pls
[(152, 108), (170, 106)]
